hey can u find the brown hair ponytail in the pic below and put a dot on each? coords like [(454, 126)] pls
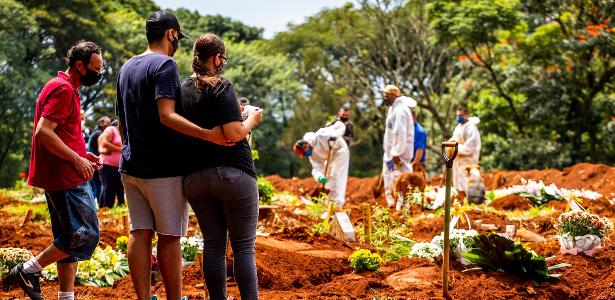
[(206, 46)]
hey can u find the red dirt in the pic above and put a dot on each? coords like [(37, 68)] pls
[(291, 264), (512, 202)]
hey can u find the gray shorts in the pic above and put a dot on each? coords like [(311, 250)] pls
[(157, 204)]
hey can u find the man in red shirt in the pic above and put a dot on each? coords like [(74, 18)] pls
[(60, 165)]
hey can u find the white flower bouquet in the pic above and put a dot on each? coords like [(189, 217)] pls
[(191, 246), (426, 251), (431, 198), (460, 240)]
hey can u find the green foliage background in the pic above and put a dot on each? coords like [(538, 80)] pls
[(539, 74)]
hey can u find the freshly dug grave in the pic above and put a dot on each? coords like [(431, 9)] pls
[(512, 202)]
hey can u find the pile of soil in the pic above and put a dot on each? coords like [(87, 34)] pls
[(512, 202), (596, 177)]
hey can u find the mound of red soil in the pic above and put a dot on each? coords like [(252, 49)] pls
[(512, 202), (596, 177)]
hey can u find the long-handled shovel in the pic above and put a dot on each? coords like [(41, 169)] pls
[(327, 163), (328, 202), (448, 158)]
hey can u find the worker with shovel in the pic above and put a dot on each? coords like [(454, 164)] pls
[(329, 157), (398, 140)]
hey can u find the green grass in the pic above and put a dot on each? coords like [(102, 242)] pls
[(40, 212)]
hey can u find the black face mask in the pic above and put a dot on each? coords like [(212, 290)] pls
[(90, 78), (219, 69), (343, 119), (175, 45)]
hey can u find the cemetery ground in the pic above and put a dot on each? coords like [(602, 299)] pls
[(297, 259)]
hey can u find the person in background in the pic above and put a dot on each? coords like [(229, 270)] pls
[(101, 124), (467, 135), (420, 145), (61, 165), (148, 87), (243, 101), (221, 181), (398, 141), (245, 108), (330, 157), (110, 148), (85, 131), (343, 115)]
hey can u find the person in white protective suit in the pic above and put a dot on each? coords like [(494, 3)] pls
[(398, 141), (468, 137), (329, 156)]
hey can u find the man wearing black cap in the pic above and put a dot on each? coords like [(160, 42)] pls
[(147, 88)]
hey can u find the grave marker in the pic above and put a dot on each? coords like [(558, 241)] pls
[(341, 227)]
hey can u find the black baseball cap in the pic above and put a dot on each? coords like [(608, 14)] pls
[(164, 20)]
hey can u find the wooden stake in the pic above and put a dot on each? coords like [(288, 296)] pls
[(126, 224), (367, 222), (26, 218)]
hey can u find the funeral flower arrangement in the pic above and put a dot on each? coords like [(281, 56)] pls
[(493, 252), (541, 193), (460, 241), (581, 232), (429, 251), (431, 198), (191, 246), (102, 270)]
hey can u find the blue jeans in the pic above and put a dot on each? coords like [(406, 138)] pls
[(110, 187), (95, 182), (225, 199), (74, 222)]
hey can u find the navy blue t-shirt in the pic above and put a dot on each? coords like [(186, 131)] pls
[(149, 146), (208, 108), (420, 140)]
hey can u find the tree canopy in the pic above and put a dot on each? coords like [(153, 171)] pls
[(539, 74)]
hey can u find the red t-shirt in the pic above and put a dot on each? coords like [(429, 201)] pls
[(59, 102)]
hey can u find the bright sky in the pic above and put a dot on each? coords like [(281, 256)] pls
[(272, 15)]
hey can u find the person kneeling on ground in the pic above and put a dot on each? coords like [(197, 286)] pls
[(221, 185), (60, 165), (329, 156)]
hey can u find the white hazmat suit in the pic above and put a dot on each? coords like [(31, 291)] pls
[(468, 137), (322, 141), (398, 141)]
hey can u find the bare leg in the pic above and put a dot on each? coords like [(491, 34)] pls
[(50, 255), (170, 260), (140, 261), (67, 272)]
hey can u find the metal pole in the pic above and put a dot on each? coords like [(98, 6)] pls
[(448, 158)]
